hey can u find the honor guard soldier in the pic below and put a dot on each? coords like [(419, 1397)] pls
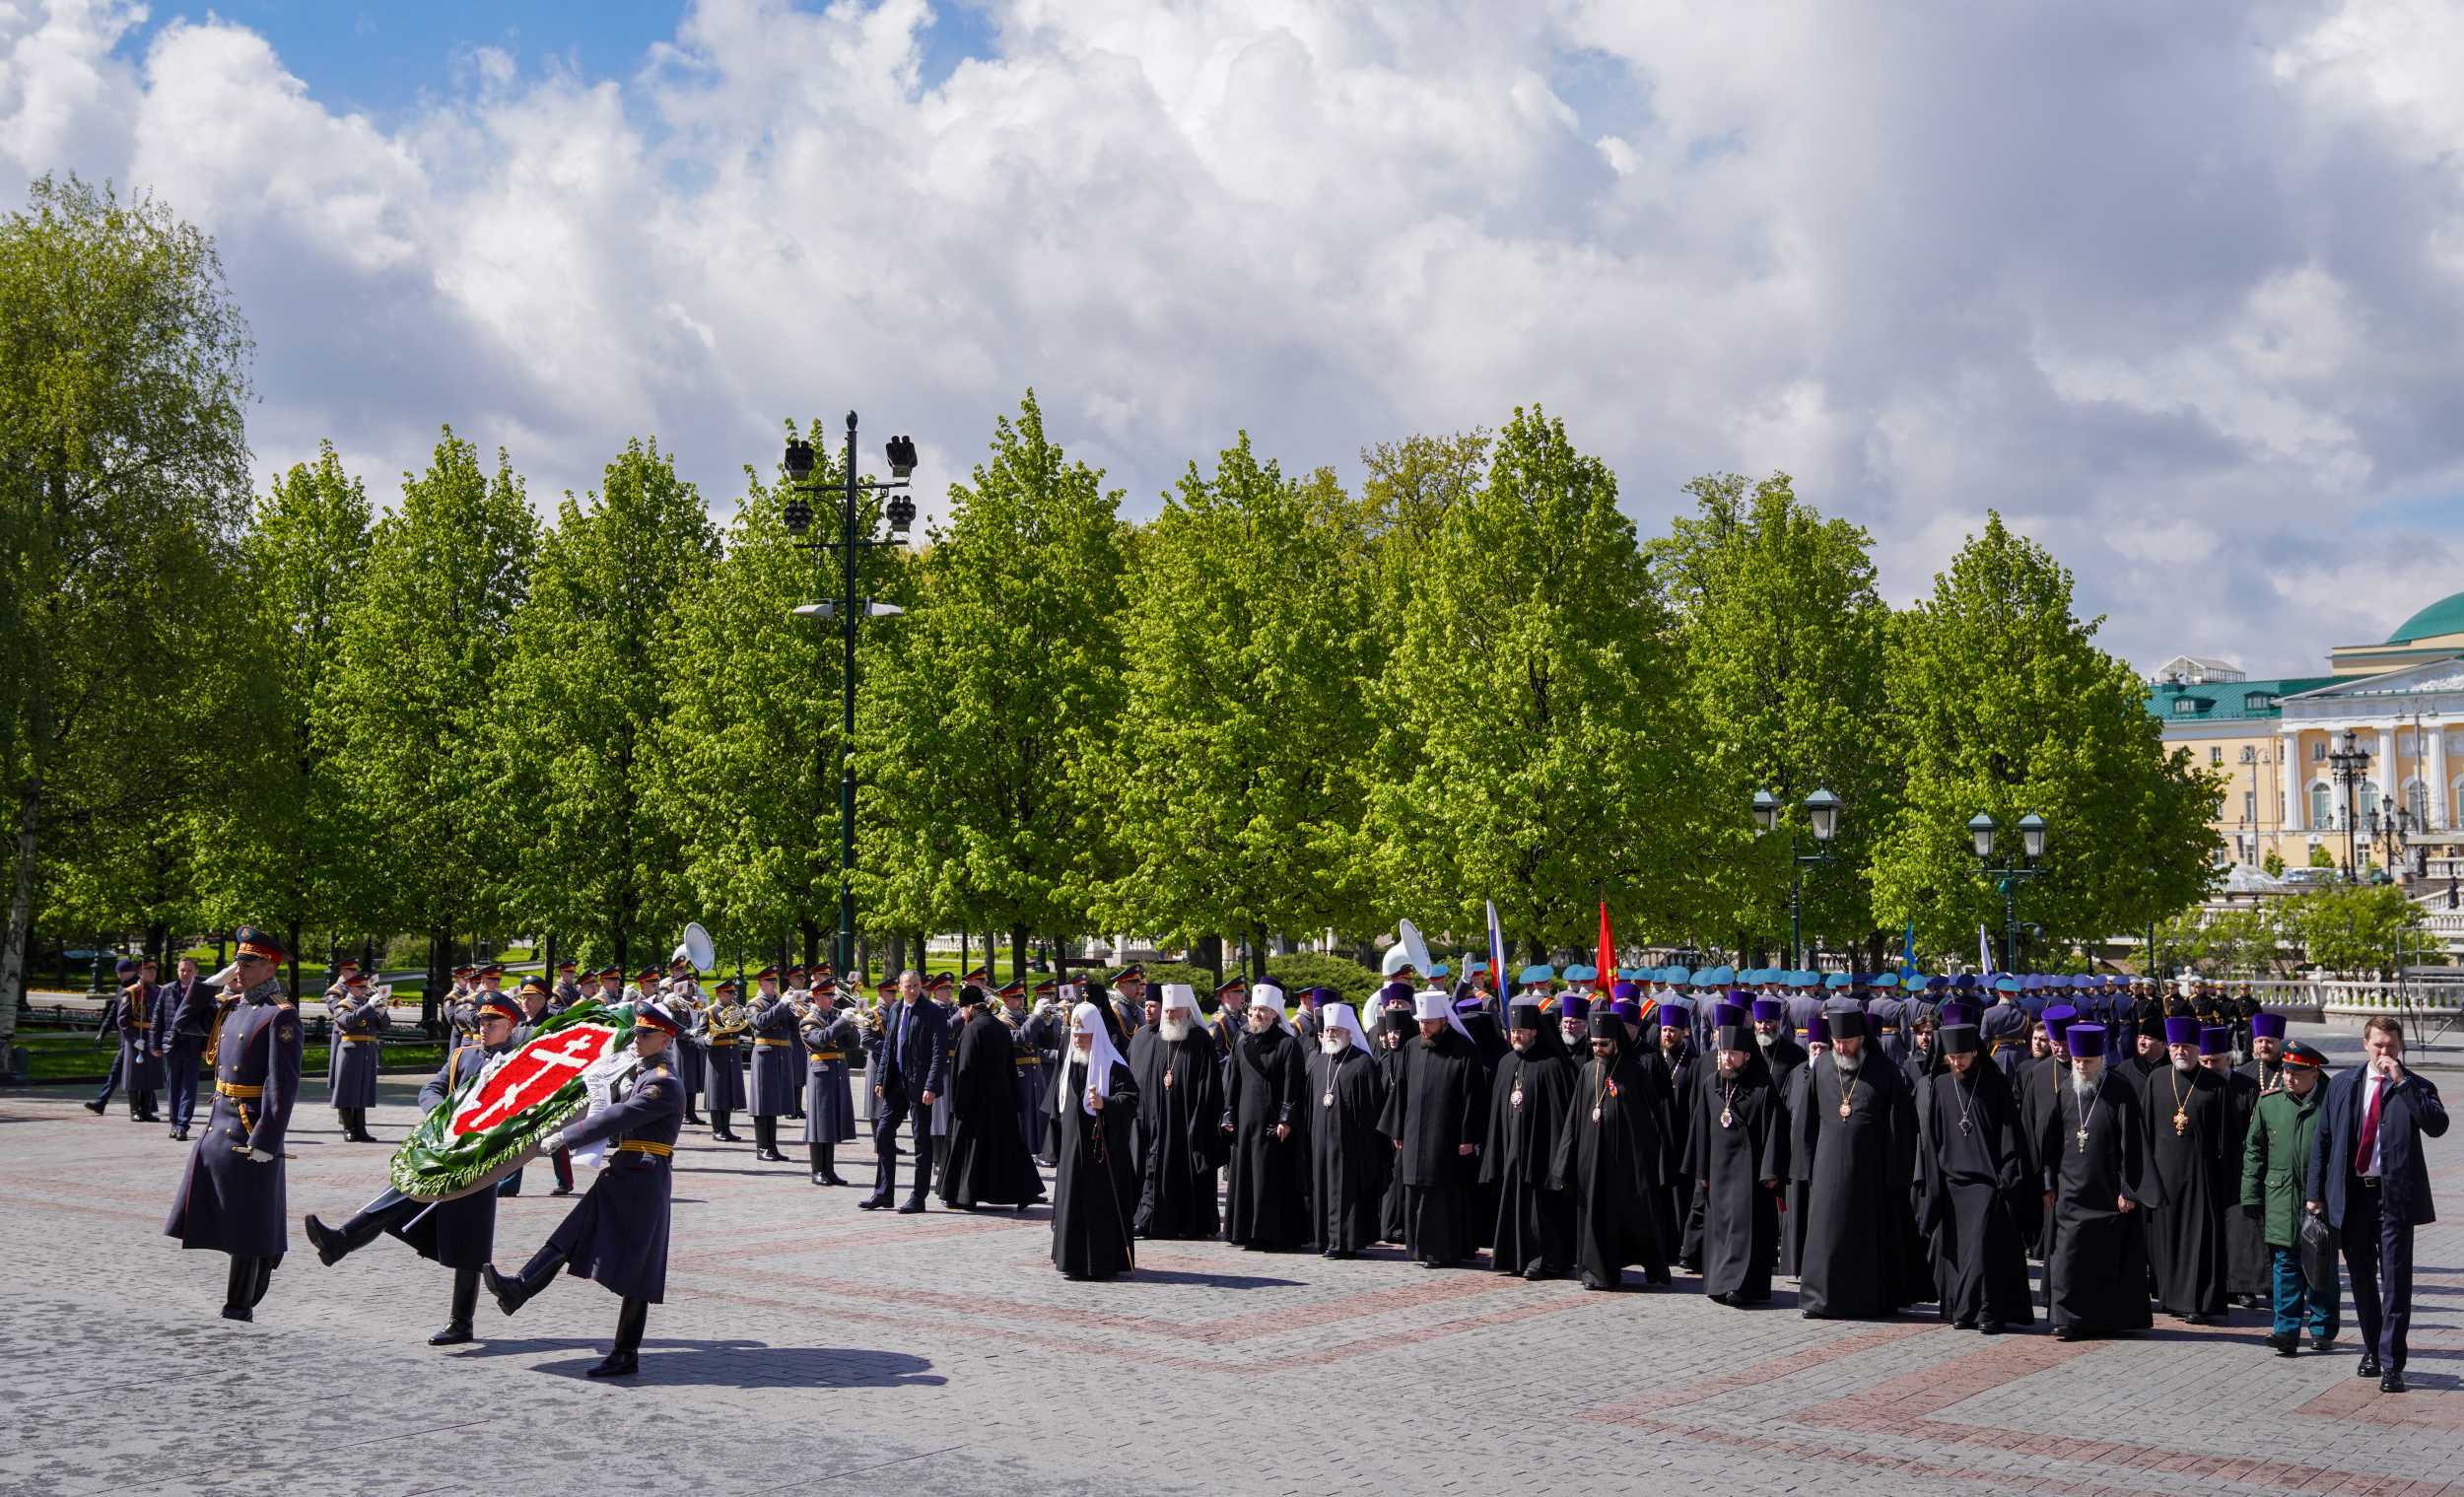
[(777, 1064), (830, 1036), (141, 1043), (723, 1028), (357, 1022), (617, 1233), (460, 1233), (538, 1005), (230, 1197), (692, 1065), (1042, 1031)]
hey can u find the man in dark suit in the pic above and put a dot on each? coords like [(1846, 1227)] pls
[(190, 1004), (910, 1068), (2370, 1179)]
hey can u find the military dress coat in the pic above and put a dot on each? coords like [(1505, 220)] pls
[(228, 1201), (617, 1233), (351, 1063), (830, 1039), (460, 1233), (778, 1059)]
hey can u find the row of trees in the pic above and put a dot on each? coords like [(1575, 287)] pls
[(2355, 929), (1281, 708)]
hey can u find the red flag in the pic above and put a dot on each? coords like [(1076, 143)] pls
[(1607, 971)]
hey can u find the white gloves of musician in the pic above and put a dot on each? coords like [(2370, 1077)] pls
[(259, 1156), (552, 1142)]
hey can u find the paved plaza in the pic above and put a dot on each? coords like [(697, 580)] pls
[(809, 1346)]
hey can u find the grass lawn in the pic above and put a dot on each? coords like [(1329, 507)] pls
[(53, 1056)]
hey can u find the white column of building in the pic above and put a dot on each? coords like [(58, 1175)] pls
[(2434, 771), (2384, 770), (2292, 782)]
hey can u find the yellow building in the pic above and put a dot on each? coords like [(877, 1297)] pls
[(2402, 702)]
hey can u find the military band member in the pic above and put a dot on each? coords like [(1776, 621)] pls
[(459, 1234), (617, 1233), (567, 991), (189, 1006), (357, 1022), (830, 1036), (692, 1063), (141, 1040), (538, 1002), (723, 1027), (1040, 1032), (778, 1064), (230, 1197)]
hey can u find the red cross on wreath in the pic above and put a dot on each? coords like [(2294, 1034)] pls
[(529, 1076)]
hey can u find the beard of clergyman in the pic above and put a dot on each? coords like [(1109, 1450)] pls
[(1175, 1025), (1335, 1041), (1846, 1061)]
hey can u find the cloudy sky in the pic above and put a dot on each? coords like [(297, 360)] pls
[(2177, 288)]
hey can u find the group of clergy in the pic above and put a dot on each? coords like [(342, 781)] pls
[(1881, 1154)]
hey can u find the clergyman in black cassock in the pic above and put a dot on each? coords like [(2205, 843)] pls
[(1976, 1193), (2185, 1124), (988, 1163), (1857, 1124), (1392, 1025), (1181, 1142), (1265, 1196), (1437, 1115), (2091, 1154), (1531, 1097), (1611, 1158), (2040, 1084), (1737, 1153), (1786, 1059), (1095, 1103), (2249, 1272), (1686, 1067), (459, 1234), (1348, 1155)]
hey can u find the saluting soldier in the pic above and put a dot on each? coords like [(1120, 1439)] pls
[(828, 1029), (460, 1233), (777, 1068), (188, 1005), (230, 1197), (359, 1022), (617, 1233)]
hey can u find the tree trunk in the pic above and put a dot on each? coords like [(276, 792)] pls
[(548, 958), (440, 975), (292, 946), (897, 957), (21, 912), (811, 934), (1210, 956), (1018, 952), (1257, 966)]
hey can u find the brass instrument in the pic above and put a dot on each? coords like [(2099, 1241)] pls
[(729, 1020)]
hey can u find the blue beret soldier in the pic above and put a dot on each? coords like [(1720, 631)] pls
[(617, 1233), (231, 1197)]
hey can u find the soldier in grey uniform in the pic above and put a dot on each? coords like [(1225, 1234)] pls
[(358, 1023), (567, 989), (538, 1005), (617, 1233), (2004, 1029), (691, 1064), (460, 1233), (829, 1037), (456, 1007), (1040, 1034), (777, 1064), (231, 1197), (722, 1033)]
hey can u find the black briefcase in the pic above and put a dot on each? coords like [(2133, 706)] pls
[(2318, 1253)]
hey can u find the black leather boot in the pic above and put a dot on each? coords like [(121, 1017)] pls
[(624, 1359), (718, 1129), (830, 1163), (514, 1293), (820, 1171), (240, 1289), (465, 1300)]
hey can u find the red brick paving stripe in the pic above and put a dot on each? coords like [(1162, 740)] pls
[(1631, 1410)]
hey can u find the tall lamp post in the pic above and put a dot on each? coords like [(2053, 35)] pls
[(1821, 810), (1982, 828), (2391, 829), (2350, 762), (899, 452)]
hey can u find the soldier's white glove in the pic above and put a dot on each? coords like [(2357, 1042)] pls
[(1044, 1008), (552, 1142), (259, 1156)]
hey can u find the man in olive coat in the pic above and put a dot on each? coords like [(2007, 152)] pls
[(2275, 1168)]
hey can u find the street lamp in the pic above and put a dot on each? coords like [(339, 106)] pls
[(2350, 762), (2393, 830), (845, 609), (1981, 833), (1821, 810)]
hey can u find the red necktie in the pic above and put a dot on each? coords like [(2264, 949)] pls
[(2369, 1129)]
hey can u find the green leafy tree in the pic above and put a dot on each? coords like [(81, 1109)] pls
[(1529, 706), (2354, 927), (124, 485), (981, 709), (1781, 636), (2320, 857), (1231, 780), (586, 682), (2272, 863), (411, 706), (291, 849), (2002, 703)]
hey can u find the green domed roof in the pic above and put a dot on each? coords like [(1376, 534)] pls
[(2446, 616)]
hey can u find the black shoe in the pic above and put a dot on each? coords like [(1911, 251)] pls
[(95, 1108), (179, 1134), (872, 1203), (2285, 1346), (2321, 1344), (1963, 1325), (237, 1313), (911, 1208), (2066, 1332), (1989, 1327), (509, 1292), (562, 1191), (2368, 1366), (830, 1178), (2194, 1319), (332, 1246), (619, 1364), (726, 1138), (451, 1335), (2392, 1382), (695, 1120)]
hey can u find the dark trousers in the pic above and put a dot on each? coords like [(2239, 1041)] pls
[(2378, 1254), (564, 1169), (181, 1064), (885, 1126), (110, 1082)]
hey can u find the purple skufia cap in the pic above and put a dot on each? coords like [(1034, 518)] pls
[(1472, 1004), (1675, 1010), (1727, 1016), (1956, 1012), (2179, 1031), (1394, 993), (1819, 1031), (2216, 1039), (2267, 1026), (1574, 1005), (2058, 1022), (1742, 998), (1624, 992), (1846, 1023), (1768, 1010), (1626, 1008), (2085, 1042)]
